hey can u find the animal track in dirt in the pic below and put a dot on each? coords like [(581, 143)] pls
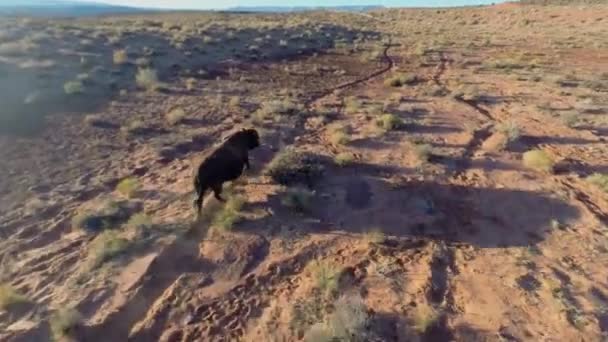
[(227, 316)]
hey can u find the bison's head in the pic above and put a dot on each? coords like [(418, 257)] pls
[(252, 137)]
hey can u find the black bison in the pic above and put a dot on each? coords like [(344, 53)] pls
[(224, 163)]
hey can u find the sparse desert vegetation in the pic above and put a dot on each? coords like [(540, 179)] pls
[(428, 174)]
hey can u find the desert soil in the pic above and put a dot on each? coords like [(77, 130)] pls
[(437, 226)]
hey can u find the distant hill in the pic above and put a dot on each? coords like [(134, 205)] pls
[(287, 9), (564, 2), (59, 8)]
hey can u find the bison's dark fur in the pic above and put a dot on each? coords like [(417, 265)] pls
[(225, 163)]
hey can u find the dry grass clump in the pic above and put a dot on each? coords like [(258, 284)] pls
[(538, 160), (190, 83), (344, 159), (374, 236), (106, 246), (600, 180), (133, 127), (107, 216), (510, 130), (147, 79), (64, 324), (73, 87), (338, 136), (298, 199), (326, 277), (17, 48), (175, 116), (278, 107), (120, 57), (570, 119), (128, 187), (424, 318), (9, 297), (423, 152), (292, 167), (389, 122), (401, 80), (347, 322), (227, 216), (352, 105)]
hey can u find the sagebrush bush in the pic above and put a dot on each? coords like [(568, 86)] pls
[(292, 166), (538, 160)]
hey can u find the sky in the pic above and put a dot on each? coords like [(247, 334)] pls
[(218, 4)]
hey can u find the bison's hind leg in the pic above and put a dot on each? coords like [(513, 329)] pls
[(198, 201), (217, 192)]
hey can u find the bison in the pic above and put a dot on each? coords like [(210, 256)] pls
[(224, 163)]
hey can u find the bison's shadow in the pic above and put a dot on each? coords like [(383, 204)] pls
[(358, 199)]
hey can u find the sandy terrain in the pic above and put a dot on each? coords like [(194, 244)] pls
[(430, 221)]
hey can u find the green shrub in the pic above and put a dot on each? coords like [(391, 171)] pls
[(600, 180), (298, 199), (538, 160), (292, 166), (73, 87)]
